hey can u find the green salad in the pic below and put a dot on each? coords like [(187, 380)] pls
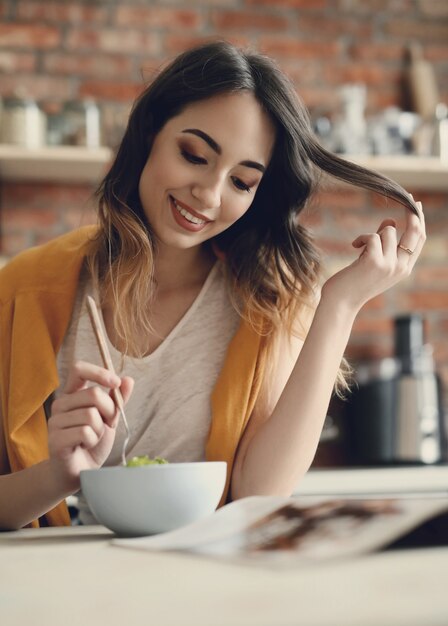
[(138, 461)]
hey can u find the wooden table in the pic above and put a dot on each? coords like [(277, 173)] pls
[(75, 576)]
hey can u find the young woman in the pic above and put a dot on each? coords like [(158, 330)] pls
[(225, 345)]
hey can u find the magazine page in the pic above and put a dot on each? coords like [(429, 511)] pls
[(263, 530)]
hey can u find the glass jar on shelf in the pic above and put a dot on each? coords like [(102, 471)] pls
[(82, 124), (22, 123)]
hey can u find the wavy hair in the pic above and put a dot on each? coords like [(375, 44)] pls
[(272, 263)]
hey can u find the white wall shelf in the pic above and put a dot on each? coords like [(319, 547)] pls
[(413, 172), (60, 164), (73, 164)]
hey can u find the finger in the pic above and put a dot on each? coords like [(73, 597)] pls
[(92, 397), (371, 243), (68, 440), (389, 221), (388, 236), (74, 419), (82, 372), (126, 388), (415, 233), (127, 385)]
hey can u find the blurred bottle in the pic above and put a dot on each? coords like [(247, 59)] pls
[(422, 83)]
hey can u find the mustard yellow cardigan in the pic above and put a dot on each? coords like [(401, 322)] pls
[(37, 293)]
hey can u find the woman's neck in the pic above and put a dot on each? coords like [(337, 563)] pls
[(174, 269)]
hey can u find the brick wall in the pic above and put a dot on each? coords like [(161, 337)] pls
[(67, 50)]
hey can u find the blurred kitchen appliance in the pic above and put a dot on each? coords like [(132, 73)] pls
[(395, 414)]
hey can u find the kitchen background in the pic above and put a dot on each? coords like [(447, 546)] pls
[(350, 62)]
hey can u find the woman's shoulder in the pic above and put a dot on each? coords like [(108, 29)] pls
[(49, 266)]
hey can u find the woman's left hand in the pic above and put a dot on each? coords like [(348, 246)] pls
[(383, 262)]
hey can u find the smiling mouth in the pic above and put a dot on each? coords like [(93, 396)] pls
[(194, 219)]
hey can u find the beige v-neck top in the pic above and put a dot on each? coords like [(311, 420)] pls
[(169, 412)]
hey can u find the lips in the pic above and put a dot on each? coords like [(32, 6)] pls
[(186, 217)]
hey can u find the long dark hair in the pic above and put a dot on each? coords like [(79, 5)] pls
[(270, 256)]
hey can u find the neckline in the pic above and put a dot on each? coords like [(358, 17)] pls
[(116, 354)]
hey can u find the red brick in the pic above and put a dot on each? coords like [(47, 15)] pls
[(314, 96), (332, 246), (366, 351), (384, 51), (110, 90), (431, 275), (38, 86), (175, 44), (289, 47), (353, 223), (114, 40), (88, 65), (342, 197), (433, 8), (429, 30), (314, 5), (432, 200), (378, 100), (29, 36), (386, 204), (157, 17), (374, 7), (336, 27), (375, 304), (371, 74), (42, 195), (427, 300), (23, 218), (248, 20), (373, 326), (57, 11), (210, 3), (436, 53), (302, 72), (11, 62)]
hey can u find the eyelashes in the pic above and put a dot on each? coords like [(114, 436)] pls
[(195, 160), (240, 185), (191, 158)]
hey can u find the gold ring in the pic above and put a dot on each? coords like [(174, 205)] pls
[(408, 250)]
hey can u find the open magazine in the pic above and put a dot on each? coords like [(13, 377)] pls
[(284, 532)]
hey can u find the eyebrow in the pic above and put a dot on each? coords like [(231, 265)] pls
[(217, 148)]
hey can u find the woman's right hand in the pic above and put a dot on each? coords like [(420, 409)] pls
[(82, 426)]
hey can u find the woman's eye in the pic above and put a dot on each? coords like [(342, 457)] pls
[(240, 185), (191, 158)]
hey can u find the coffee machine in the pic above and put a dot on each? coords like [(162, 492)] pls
[(395, 413)]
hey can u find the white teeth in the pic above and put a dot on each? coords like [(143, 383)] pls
[(188, 216)]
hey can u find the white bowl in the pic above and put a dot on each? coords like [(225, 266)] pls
[(136, 501)]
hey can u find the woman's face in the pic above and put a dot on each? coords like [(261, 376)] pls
[(204, 168)]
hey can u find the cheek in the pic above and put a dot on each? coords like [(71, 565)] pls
[(236, 208)]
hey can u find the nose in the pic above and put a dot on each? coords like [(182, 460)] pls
[(208, 191)]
